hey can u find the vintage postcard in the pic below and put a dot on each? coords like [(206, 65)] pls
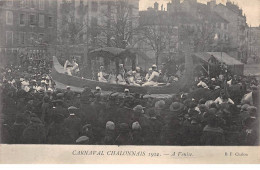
[(129, 81)]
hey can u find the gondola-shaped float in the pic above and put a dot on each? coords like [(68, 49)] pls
[(118, 55)]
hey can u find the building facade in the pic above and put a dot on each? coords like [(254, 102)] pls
[(254, 44), (237, 27), (27, 23), (186, 19)]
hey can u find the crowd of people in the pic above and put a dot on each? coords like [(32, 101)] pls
[(34, 111)]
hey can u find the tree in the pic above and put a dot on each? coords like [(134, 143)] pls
[(73, 23), (118, 25), (156, 37), (73, 27)]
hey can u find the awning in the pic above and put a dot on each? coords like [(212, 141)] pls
[(225, 58), (111, 52)]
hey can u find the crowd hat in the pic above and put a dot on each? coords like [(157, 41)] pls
[(136, 126), (160, 104), (110, 125), (217, 87), (72, 109), (82, 139), (126, 90), (98, 88), (60, 95), (154, 66), (138, 109), (244, 107), (59, 101), (176, 107), (36, 120)]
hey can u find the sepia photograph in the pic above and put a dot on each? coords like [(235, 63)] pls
[(129, 79)]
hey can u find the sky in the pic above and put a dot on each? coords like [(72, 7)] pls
[(250, 7)]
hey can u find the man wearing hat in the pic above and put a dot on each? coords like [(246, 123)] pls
[(155, 124), (176, 108), (58, 108), (110, 133), (86, 95), (73, 122), (124, 137), (97, 91), (137, 134), (35, 132), (58, 134), (152, 81), (124, 112), (127, 93), (138, 116), (68, 94)]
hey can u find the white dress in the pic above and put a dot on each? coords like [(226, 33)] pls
[(152, 81), (132, 81), (112, 79), (101, 77), (120, 80)]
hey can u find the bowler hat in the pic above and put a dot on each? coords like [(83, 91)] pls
[(139, 109), (160, 104), (176, 107)]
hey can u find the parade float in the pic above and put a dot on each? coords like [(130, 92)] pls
[(117, 56)]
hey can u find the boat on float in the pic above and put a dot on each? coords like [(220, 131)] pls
[(116, 55)]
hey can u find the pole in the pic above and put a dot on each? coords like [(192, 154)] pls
[(221, 53)]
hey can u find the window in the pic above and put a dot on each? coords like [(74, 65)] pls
[(32, 3), (22, 19), (41, 4), (94, 6), (32, 38), (41, 37), (41, 21), (9, 3), (22, 36), (23, 3), (50, 21), (32, 20), (9, 37), (9, 17), (225, 26)]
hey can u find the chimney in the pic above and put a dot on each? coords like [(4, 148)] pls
[(212, 4), (156, 6)]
